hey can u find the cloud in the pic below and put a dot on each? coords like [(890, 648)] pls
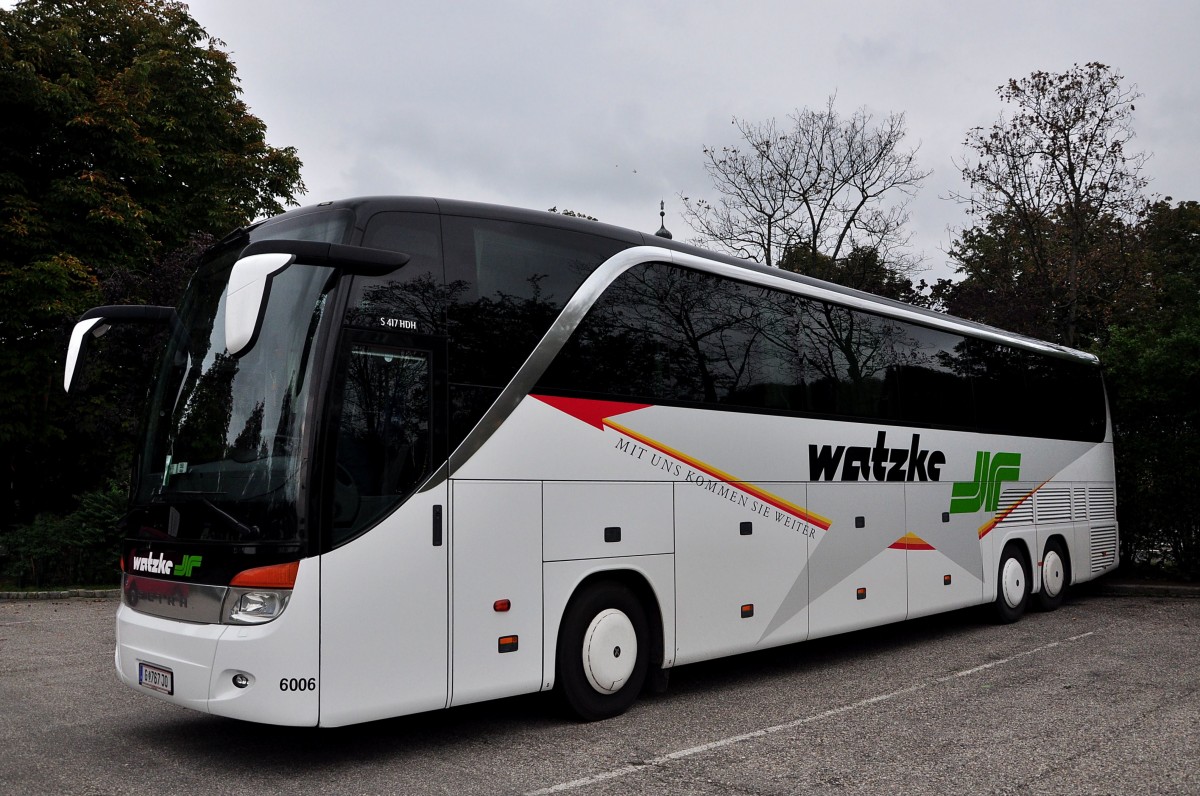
[(604, 108)]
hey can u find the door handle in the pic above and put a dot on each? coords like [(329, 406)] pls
[(437, 526)]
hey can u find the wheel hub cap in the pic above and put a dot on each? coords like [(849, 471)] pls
[(1013, 582), (1053, 575), (609, 651)]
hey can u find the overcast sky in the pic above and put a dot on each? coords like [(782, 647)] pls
[(603, 107)]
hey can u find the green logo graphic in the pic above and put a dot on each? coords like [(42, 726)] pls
[(184, 570), (991, 470)]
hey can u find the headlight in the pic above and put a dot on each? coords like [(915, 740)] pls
[(254, 606), (259, 595)]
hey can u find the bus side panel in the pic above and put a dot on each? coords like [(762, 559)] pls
[(497, 555), (742, 569), (385, 617), (858, 574), (280, 657), (587, 519), (560, 580), (946, 557)]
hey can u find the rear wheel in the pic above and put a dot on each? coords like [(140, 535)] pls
[(603, 651), (1056, 574), (1012, 586)]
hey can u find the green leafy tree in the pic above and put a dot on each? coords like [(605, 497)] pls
[(1005, 283), (122, 137), (1153, 367), (862, 269)]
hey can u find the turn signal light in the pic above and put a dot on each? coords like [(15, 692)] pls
[(277, 576)]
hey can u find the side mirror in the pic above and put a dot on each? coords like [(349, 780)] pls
[(246, 299), (75, 349), (96, 321), (249, 287)]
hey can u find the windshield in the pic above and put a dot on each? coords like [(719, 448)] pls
[(223, 449)]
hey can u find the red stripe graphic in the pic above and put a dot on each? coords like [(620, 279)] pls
[(597, 413)]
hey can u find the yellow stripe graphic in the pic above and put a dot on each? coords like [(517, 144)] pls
[(766, 497)]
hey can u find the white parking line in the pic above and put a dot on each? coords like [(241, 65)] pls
[(862, 703)]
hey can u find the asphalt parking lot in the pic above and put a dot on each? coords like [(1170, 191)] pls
[(1101, 696)]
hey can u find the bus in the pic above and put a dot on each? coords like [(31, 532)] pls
[(404, 454)]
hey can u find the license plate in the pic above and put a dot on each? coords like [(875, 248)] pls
[(156, 678)]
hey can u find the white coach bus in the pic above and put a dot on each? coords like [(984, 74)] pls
[(405, 453)]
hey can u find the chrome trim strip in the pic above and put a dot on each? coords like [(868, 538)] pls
[(173, 599)]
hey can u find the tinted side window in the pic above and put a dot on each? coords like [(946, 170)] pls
[(1002, 403), (384, 442), (850, 360), (413, 298), (506, 282), (662, 333), (1069, 399), (935, 378)]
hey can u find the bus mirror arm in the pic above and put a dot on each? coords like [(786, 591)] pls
[(98, 320), (351, 259), (250, 280)]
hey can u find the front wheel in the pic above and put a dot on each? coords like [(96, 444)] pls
[(1012, 587), (603, 652)]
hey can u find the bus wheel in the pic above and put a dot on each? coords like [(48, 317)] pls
[(603, 649), (1055, 576), (1012, 592)]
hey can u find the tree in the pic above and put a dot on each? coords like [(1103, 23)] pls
[(1153, 372), (1006, 286), (1057, 172), (816, 188), (122, 135), (862, 269)]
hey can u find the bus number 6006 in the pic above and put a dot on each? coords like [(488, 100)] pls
[(298, 684)]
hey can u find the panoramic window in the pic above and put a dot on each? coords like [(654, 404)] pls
[(850, 361), (668, 334)]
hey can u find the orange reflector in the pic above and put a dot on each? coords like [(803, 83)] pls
[(747, 610), (500, 606), (508, 644), (277, 576), (862, 594), (946, 581)]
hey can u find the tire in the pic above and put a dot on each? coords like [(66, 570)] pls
[(1012, 585), (603, 652), (1056, 575)]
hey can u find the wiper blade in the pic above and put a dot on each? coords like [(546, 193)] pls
[(248, 532)]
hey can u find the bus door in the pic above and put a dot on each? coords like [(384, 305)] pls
[(384, 615)]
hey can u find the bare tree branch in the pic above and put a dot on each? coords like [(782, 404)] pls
[(814, 188)]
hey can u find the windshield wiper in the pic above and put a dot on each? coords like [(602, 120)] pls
[(247, 531)]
